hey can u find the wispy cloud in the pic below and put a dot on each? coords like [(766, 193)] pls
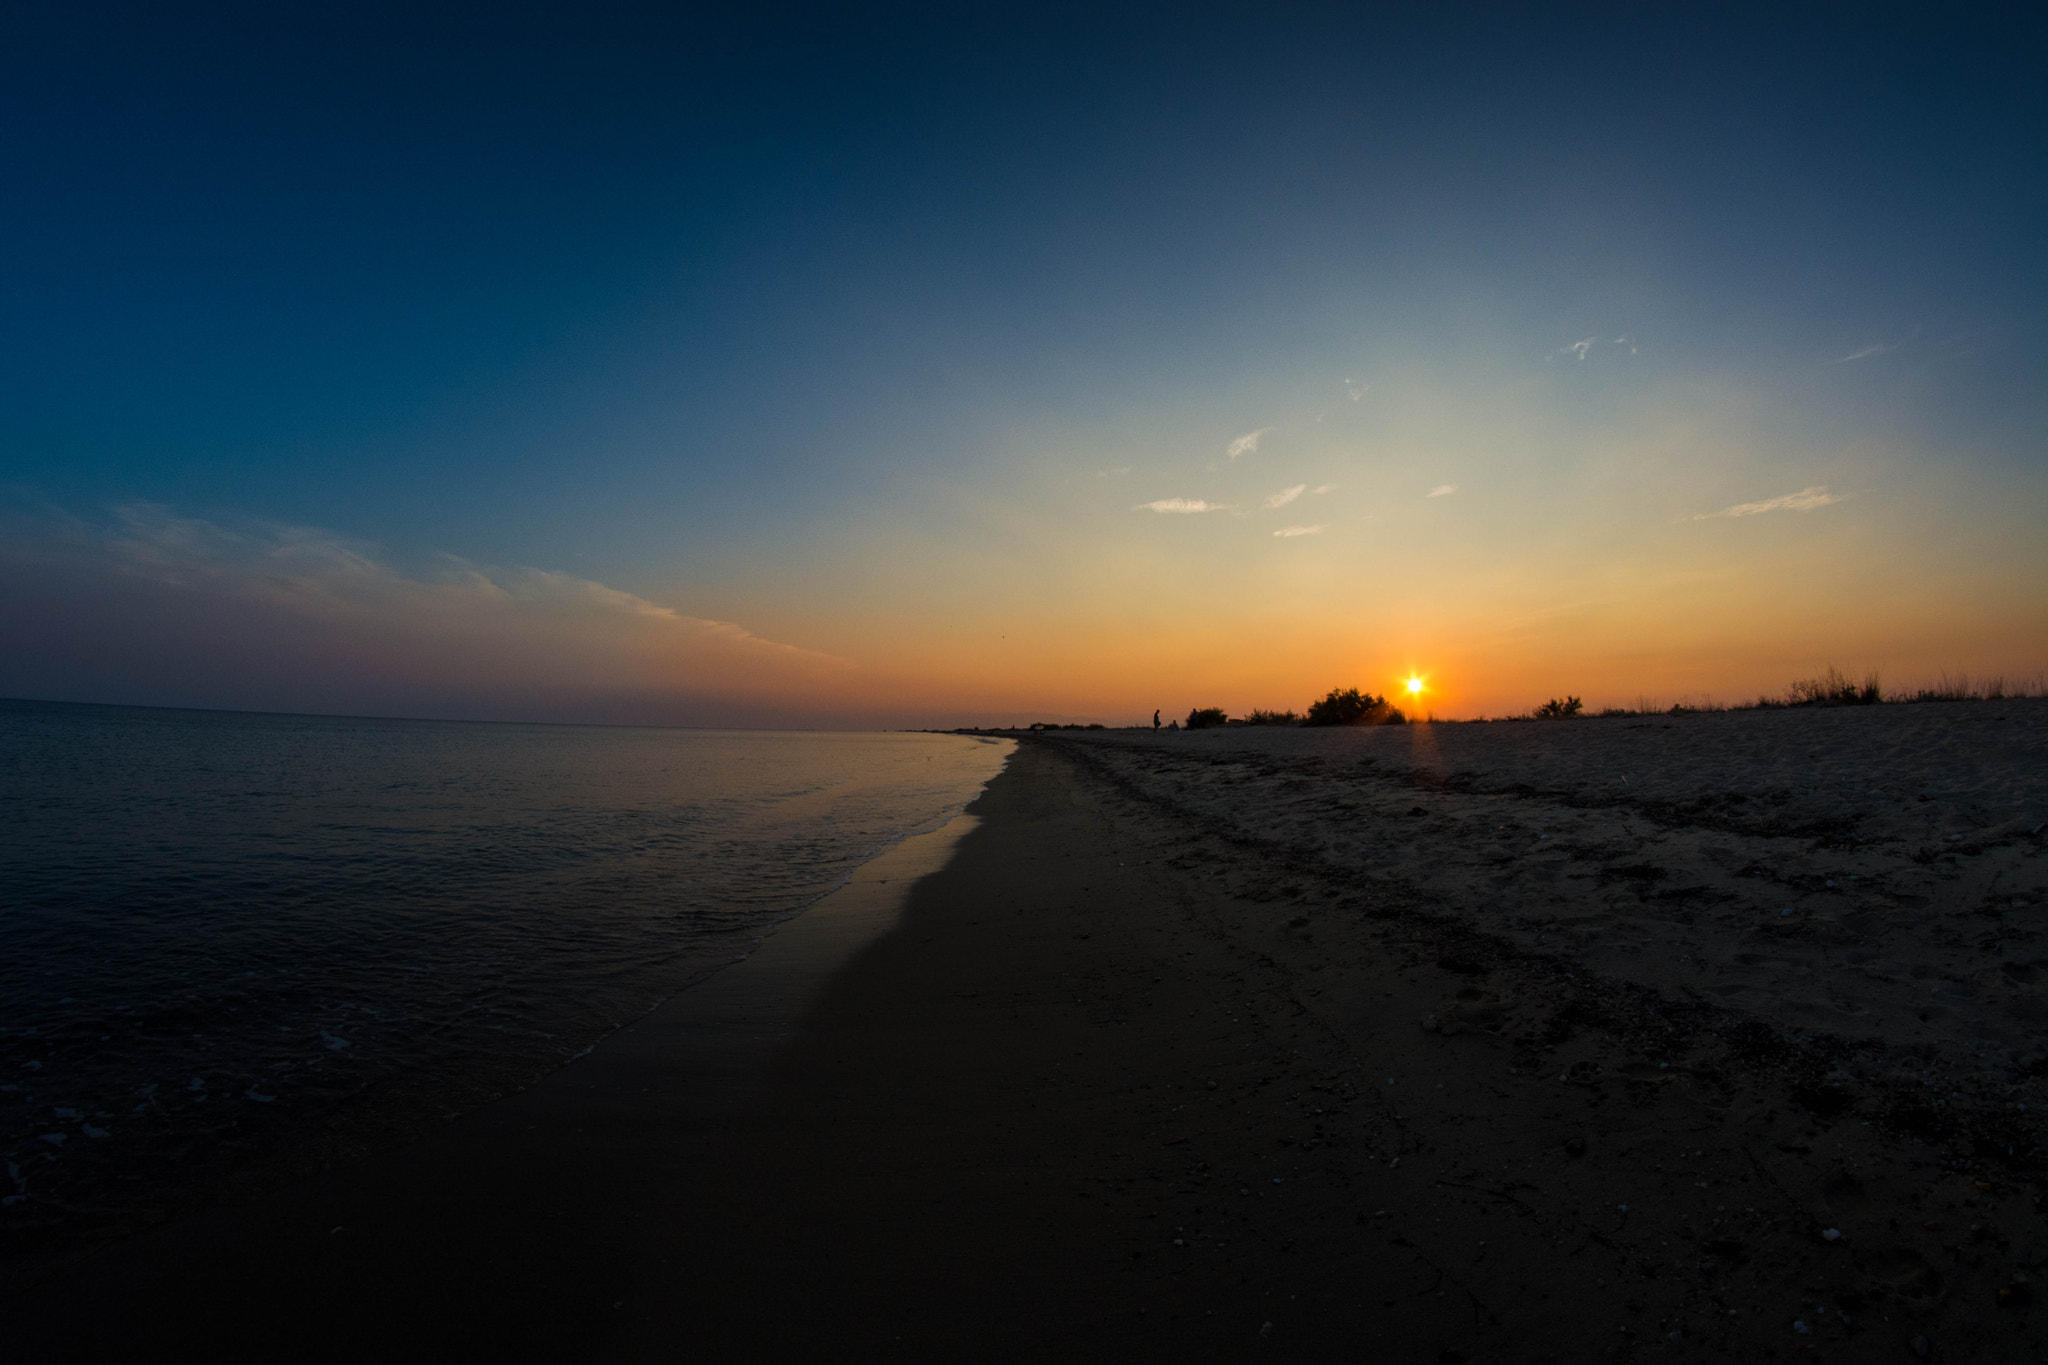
[(1286, 495), (1301, 530), (1864, 353), (1181, 505), (1583, 347), (1805, 500), (316, 620), (1247, 443), (1442, 490), (1355, 390), (1323, 488)]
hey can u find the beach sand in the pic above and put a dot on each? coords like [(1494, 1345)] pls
[(1241, 1044)]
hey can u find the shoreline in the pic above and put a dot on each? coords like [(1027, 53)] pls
[(463, 1215), (1123, 1082)]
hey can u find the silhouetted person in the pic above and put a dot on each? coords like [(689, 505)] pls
[(1155, 719)]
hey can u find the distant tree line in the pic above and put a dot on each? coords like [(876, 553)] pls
[(1339, 706)]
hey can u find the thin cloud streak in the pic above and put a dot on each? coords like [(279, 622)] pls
[(1286, 495), (1805, 500), (1582, 348), (1875, 348), (1442, 490), (1301, 530), (315, 620), (1182, 505), (1247, 443)]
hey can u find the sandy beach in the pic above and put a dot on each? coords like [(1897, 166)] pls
[(1666, 1038)]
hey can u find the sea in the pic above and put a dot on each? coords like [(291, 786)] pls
[(236, 949)]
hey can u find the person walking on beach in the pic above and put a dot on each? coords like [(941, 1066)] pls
[(1155, 718)]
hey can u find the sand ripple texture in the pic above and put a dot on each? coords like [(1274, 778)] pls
[(1872, 873)]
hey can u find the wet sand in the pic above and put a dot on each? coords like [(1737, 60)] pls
[(1144, 1071)]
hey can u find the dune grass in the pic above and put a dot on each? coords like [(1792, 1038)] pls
[(1830, 687), (1960, 686)]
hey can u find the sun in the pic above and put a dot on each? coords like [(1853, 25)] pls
[(1415, 687)]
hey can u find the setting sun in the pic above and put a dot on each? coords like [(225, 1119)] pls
[(1415, 686)]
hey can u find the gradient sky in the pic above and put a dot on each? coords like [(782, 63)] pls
[(885, 366)]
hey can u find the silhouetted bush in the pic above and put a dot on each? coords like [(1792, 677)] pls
[(1352, 707), (1258, 717), (1206, 717), (1833, 689), (1560, 709)]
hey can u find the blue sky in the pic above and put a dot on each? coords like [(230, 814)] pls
[(837, 328)]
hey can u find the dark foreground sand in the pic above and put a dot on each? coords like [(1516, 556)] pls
[(1137, 1076)]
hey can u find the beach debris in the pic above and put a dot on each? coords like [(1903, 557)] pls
[(1266, 1329), (335, 1043), (1831, 1235), (93, 1132), (250, 1093), (1799, 1326)]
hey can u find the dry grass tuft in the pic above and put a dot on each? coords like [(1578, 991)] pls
[(1960, 686), (1833, 688)]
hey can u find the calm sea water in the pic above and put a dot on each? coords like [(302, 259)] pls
[(251, 943)]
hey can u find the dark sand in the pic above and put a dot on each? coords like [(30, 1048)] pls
[(1128, 1081)]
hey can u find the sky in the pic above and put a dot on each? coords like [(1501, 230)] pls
[(882, 366)]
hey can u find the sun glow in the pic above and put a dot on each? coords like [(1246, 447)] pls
[(1415, 687)]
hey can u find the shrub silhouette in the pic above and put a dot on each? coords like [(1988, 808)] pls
[(1206, 717), (1556, 709), (1831, 688), (1352, 707), (1258, 717)]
